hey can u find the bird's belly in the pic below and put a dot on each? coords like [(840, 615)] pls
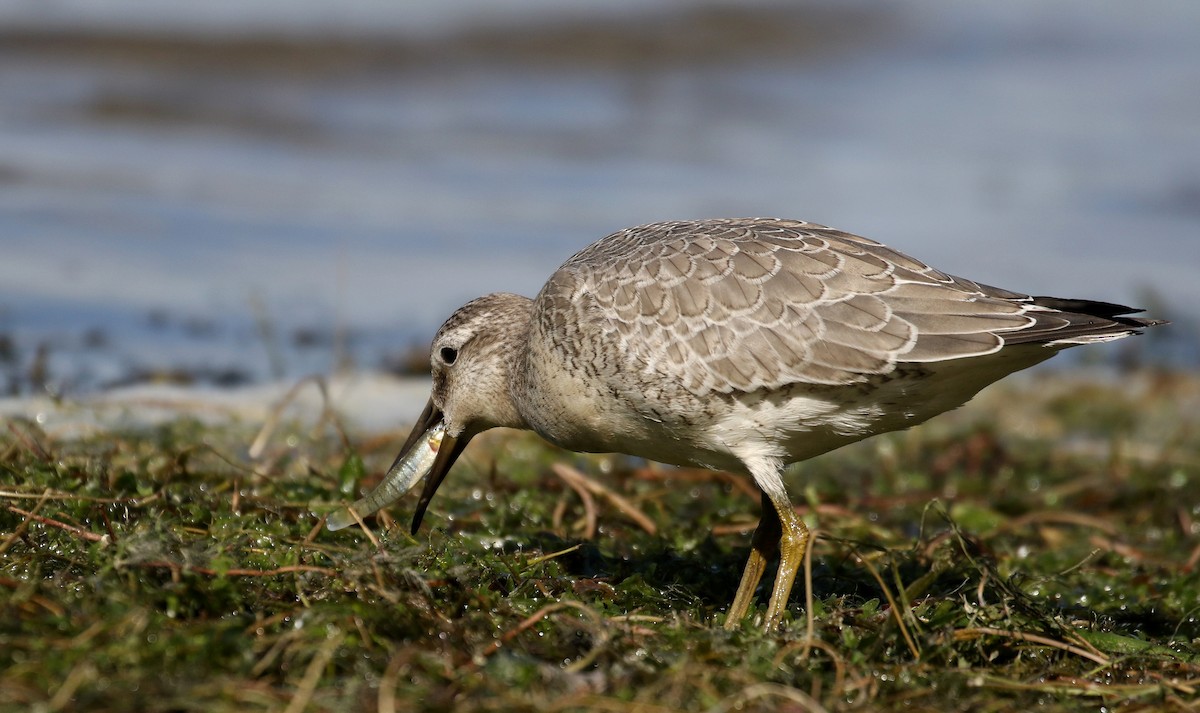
[(665, 423), (592, 421), (714, 433), (619, 414)]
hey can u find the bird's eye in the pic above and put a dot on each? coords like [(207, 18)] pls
[(449, 355)]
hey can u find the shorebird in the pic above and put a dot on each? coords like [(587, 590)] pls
[(734, 344)]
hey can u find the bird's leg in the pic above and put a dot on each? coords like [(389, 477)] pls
[(763, 545), (793, 540)]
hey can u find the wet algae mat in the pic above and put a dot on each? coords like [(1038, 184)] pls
[(1038, 548)]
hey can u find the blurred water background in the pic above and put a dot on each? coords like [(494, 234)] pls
[(223, 192)]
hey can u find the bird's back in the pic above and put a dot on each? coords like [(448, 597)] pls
[(664, 323)]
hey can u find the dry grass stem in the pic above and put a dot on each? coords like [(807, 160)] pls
[(577, 482), (312, 673), (897, 614), (976, 632), (628, 509)]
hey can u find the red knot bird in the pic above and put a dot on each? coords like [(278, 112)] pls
[(733, 344)]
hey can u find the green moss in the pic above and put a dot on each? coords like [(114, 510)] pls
[(161, 571)]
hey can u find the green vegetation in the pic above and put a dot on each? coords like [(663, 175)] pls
[(1037, 548)]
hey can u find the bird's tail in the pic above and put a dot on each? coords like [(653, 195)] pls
[(1067, 322)]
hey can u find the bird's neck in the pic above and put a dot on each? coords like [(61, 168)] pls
[(514, 359), (510, 337)]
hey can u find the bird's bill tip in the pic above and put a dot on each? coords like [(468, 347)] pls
[(451, 448), (417, 458)]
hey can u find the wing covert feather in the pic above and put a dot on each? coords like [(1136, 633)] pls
[(744, 304)]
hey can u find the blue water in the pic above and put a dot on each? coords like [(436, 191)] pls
[(156, 211)]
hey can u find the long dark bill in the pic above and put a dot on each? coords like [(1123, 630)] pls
[(427, 420), (449, 451)]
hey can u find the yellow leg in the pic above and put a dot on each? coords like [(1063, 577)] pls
[(792, 542), (763, 544)]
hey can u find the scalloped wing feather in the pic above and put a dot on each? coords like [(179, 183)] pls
[(739, 305)]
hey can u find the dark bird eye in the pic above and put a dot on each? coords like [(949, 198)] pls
[(449, 355)]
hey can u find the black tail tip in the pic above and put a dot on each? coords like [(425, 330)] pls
[(1104, 310)]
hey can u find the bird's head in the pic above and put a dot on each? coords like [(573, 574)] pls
[(471, 358)]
